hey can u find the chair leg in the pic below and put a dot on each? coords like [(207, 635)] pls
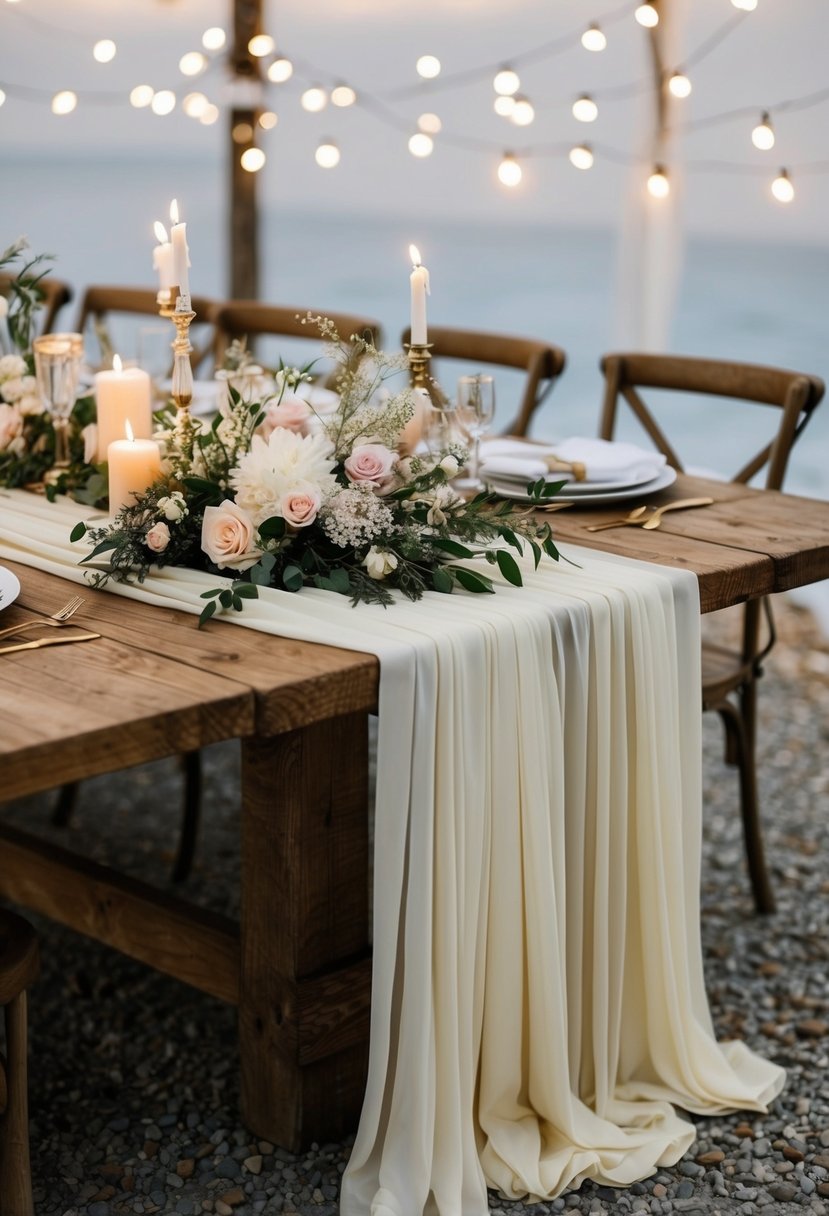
[(740, 732), (65, 804), (15, 1168), (191, 764)]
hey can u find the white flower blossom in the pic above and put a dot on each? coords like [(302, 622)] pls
[(30, 404), (274, 467), (12, 366), (379, 562), (450, 466), (13, 389), (356, 515), (173, 506)]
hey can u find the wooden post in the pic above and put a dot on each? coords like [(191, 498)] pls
[(244, 217)]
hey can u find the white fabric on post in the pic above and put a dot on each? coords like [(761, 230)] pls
[(538, 1005)]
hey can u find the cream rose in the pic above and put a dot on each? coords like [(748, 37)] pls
[(13, 388), (158, 537), (379, 562), (291, 412), (11, 424), (30, 404), (371, 462), (12, 365), (227, 537), (300, 505)]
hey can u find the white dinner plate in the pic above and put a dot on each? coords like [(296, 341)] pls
[(579, 488), (9, 587), (666, 478)]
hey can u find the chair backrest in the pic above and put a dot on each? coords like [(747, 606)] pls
[(99, 302), (796, 394), (541, 361), (55, 295), (249, 319)]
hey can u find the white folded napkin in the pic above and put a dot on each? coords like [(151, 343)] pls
[(604, 461)]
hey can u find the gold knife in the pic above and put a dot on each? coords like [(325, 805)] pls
[(38, 642)]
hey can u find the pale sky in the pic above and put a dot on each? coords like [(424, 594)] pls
[(777, 52)]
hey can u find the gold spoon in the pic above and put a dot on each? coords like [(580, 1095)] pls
[(655, 520), (634, 517)]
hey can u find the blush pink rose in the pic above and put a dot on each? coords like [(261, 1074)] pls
[(371, 462), (292, 413), (227, 537), (300, 505), (158, 538), (11, 424)]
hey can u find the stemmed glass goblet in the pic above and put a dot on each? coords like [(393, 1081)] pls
[(58, 360), (476, 409)]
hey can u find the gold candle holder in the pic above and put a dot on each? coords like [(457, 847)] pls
[(182, 317), (419, 358)]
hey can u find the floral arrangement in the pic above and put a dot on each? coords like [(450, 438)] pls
[(27, 437), (276, 494)]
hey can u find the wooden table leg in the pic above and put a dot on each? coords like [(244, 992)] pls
[(305, 965)]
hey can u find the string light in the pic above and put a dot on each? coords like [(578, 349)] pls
[(679, 85), (747, 6), (782, 187), (268, 120), (252, 160), (64, 102), (163, 102), (506, 82), (582, 156), (343, 95), (214, 38), (142, 96), (763, 134), (647, 15), (430, 123), (280, 70), (504, 105), (314, 99), (192, 63), (327, 154), (509, 171), (428, 66), (523, 112), (259, 46), (593, 39), (210, 114), (242, 133), (658, 184), (194, 105), (421, 144), (104, 50), (585, 109)]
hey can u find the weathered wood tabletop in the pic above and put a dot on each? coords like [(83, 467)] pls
[(298, 964)]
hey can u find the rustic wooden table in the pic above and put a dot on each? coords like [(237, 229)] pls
[(298, 963)]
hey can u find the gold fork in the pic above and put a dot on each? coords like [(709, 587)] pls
[(634, 517), (57, 618)]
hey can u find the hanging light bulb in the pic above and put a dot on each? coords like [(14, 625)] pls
[(509, 171), (421, 144), (194, 105), (585, 109), (658, 184), (192, 63), (679, 84), (504, 105), (280, 70), (252, 160), (209, 114), (747, 6), (506, 82), (782, 187), (242, 133), (64, 102), (763, 134), (261, 45), (268, 120), (163, 102), (314, 99), (327, 154), (523, 112), (430, 123), (647, 15), (141, 96), (593, 39), (214, 38), (428, 66), (104, 50), (582, 156), (343, 95)]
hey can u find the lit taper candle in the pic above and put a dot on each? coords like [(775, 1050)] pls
[(419, 280)]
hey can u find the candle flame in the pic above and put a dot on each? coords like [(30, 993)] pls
[(174, 211), (414, 254), (160, 232), (129, 432), (117, 365)]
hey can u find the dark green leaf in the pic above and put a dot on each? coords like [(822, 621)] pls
[(292, 578), (206, 613), (511, 539), (226, 598), (509, 567), (246, 590), (442, 581), (471, 580), (209, 595), (273, 528), (452, 547), (77, 532)]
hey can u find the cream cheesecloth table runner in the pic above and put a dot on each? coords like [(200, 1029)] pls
[(538, 1006)]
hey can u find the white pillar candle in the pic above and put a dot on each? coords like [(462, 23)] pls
[(163, 257), (134, 464), (181, 254), (419, 280), (122, 395)]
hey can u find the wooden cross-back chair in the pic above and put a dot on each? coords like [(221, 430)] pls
[(55, 295), (19, 965), (542, 363), (99, 302), (729, 673)]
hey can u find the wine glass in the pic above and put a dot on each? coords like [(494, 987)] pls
[(476, 409), (58, 359)]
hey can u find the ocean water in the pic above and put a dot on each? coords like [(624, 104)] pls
[(757, 302)]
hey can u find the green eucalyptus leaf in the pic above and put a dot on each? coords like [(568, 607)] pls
[(509, 567)]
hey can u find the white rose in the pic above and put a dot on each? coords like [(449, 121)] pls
[(173, 507), (227, 537), (30, 405), (12, 389), (450, 466), (11, 425), (12, 365), (379, 562), (158, 537), (89, 434), (443, 502)]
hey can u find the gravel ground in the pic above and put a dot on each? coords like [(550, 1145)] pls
[(133, 1085)]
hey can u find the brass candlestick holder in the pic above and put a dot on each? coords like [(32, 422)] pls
[(419, 358), (440, 425), (182, 316)]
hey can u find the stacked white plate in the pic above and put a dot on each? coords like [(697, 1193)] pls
[(615, 472)]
